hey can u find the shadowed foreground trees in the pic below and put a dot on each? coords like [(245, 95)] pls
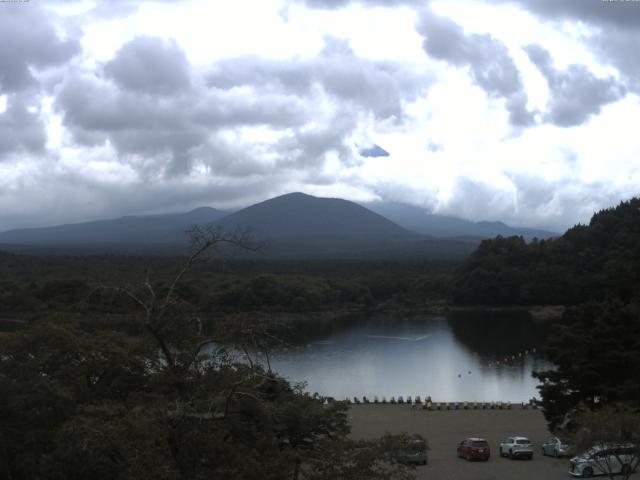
[(597, 358), (102, 405)]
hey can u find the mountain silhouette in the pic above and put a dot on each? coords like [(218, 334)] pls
[(130, 230), (295, 225), (422, 221), (297, 215)]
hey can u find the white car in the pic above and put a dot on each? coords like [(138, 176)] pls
[(555, 447), (603, 460), (516, 447)]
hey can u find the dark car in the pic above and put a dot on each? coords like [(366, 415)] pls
[(474, 449), (414, 451)]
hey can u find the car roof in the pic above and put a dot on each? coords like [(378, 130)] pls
[(475, 439), (520, 438)]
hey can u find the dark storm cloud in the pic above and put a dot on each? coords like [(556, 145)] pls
[(28, 41), (575, 93), (150, 65), (21, 128), (487, 59)]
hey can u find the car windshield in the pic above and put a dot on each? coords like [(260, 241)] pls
[(480, 443), (522, 441), (415, 447)]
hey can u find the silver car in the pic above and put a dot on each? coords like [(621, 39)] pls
[(605, 460), (555, 447), (516, 447)]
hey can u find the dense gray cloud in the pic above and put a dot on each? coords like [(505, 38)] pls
[(29, 41), (614, 12), (488, 60), (30, 44), (150, 65), (575, 93), (619, 48), (337, 70), (315, 105), (21, 128), (618, 13)]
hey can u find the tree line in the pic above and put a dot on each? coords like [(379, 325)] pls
[(589, 262)]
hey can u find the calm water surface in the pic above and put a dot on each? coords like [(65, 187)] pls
[(456, 358)]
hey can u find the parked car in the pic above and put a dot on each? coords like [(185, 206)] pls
[(414, 451), (474, 449), (602, 460), (516, 447), (555, 447)]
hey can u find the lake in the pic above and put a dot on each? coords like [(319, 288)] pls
[(460, 357)]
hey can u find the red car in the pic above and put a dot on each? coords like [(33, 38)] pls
[(474, 449)]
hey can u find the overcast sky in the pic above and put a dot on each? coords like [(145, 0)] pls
[(524, 111)]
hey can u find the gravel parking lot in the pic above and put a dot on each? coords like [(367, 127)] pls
[(445, 429)]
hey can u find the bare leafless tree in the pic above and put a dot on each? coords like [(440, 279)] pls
[(205, 241)]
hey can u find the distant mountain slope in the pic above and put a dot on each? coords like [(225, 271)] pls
[(420, 220), (295, 225), (297, 215), (148, 229)]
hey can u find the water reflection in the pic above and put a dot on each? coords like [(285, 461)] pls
[(463, 357)]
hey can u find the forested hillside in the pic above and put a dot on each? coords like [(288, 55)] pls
[(589, 262)]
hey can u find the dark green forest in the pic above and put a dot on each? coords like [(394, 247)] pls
[(81, 399), (589, 262), (31, 287)]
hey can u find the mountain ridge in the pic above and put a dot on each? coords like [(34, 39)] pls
[(295, 224), (421, 220)]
